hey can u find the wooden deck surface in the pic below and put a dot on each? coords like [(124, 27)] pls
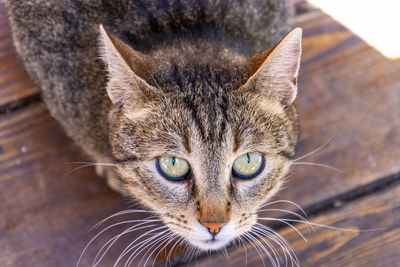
[(348, 91)]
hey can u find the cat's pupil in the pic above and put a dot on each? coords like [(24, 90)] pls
[(173, 161), (248, 158)]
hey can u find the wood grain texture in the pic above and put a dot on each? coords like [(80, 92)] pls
[(349, 91), (353, 247), (47, 212), (14, 81)]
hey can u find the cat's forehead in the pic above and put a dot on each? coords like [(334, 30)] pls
[(220, 125)]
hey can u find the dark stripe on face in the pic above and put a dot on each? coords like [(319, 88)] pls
[(287, 154), (186, 143), (198, 121), (236, 143), (125, 160)]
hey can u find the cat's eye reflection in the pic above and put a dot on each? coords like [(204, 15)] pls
[(173, 168), (248, 165)]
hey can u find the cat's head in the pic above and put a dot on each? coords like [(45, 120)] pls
[(203, 145)]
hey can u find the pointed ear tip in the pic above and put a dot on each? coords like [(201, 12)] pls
[(297, 32), (103, 32), (101, 29)]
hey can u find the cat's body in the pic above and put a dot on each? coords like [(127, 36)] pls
[(189, 87)]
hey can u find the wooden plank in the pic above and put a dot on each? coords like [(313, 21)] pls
[(326, 247), (14, 81), (46, 213), (349, 91)]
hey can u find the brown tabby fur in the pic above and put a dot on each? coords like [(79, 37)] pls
[(182, 82)]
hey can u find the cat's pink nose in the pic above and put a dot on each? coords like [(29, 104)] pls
[(213, 227)]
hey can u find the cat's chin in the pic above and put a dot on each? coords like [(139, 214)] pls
[(210, 244)]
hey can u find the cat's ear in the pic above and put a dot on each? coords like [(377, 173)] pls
[(126, 67), (275, 71)]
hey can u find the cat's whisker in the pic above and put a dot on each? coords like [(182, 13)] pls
[(290, 212), (112, 241), (284, 201), (144, 244), (235, 242), (88, 164), (280, 240), (157, 242), (282, 243), (329, 227), (276, 256), (196, 255), (250, 240), (315, 150), (107, 228), (275, 235), (292, 253), (147, 244), (318, 165), (189, 257), (123, 213), (273, 256), (92, 163), (245, 248), (150, 248), (188, 250), (194, 251), (172, 249), (132, 245), (168, 241), (156, 83), (160, 243), (78, 168), (226, 254), (284, 221)]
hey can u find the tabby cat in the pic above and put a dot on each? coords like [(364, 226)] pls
[(186, 97)]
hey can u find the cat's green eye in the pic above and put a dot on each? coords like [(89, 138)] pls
[(173, 168), (248, 165)]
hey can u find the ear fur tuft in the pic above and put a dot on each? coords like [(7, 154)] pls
[(125, 68), (276, 76)]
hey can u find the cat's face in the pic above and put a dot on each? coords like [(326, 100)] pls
[(204, 155)]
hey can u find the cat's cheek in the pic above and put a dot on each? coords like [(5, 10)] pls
[(145, 184), (245, 186)]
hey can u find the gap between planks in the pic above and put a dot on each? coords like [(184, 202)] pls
[(20, 104)]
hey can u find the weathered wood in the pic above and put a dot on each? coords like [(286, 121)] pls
[(46, 211), (14, 81), (351, 247), (349, 91)]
